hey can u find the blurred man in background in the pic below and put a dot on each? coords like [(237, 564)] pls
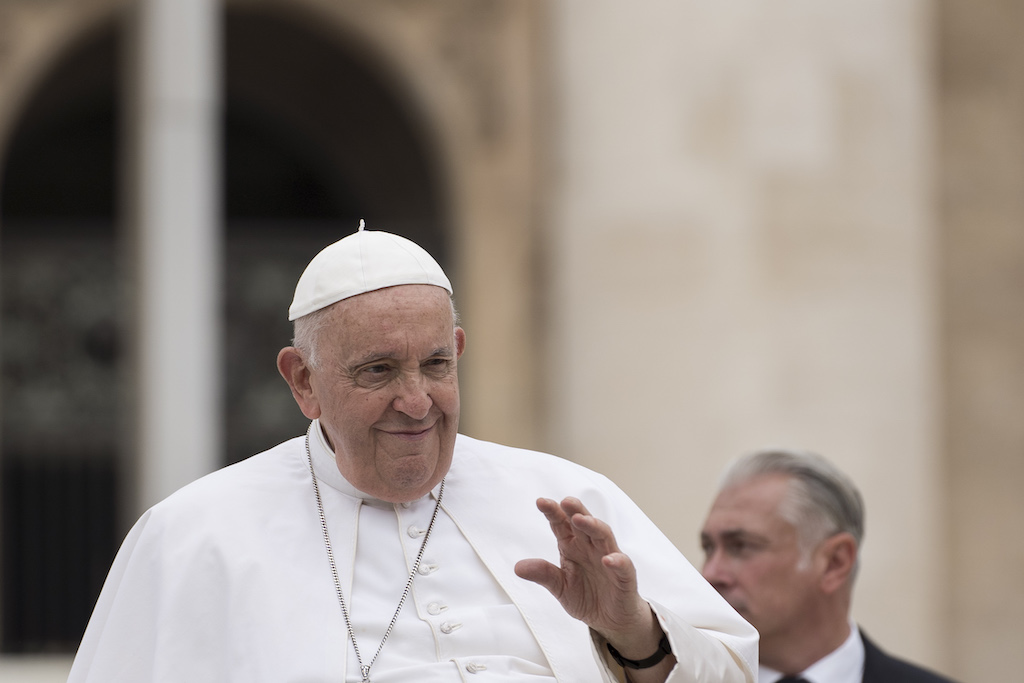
[(781, 544)]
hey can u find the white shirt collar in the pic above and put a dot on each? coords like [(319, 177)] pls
[(845, 664)]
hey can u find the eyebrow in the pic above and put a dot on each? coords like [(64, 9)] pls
[(735, 534), (377, 356)]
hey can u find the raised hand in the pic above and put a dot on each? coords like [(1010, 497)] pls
[(596, 582)]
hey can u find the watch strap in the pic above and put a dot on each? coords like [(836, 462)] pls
[(664, 649)]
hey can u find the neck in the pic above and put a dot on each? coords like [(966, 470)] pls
[(793, 652)]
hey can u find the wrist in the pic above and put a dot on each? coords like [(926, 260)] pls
[(638, 638), (664, 649)]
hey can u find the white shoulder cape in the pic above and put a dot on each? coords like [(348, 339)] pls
[(225, 580)]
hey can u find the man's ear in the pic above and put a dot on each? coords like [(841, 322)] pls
[(839, 554), (293, 367), (460, 341)]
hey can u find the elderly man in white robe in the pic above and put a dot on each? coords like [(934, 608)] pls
[(384, 546)]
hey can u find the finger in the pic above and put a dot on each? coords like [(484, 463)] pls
[(550, 508), (596, 531), (560, 523), (573, 506), (622, 570), (540, 572)]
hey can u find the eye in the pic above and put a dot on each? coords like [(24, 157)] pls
[(436, 364), (740, 547), (375, 373)]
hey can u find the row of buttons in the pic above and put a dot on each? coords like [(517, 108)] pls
[(436, 608)]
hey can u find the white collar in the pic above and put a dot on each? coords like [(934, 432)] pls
[(845, 664)]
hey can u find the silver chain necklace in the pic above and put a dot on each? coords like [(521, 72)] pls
[(364, 669)]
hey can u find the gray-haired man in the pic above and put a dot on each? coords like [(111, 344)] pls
[(781, 545)]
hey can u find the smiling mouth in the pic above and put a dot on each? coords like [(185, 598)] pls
[(409, 434)]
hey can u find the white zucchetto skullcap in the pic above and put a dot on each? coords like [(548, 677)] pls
[(362, 262)]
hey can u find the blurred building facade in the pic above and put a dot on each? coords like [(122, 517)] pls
[(677, 231)]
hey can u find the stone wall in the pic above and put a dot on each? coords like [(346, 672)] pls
[(747, 256), (981, 205)]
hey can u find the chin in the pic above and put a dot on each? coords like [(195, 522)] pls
[(416, 480)]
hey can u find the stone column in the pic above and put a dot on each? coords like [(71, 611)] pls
[(174, 181), (981, 148), (745, 249)]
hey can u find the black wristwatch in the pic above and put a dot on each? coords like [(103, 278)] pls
[(663, 649)]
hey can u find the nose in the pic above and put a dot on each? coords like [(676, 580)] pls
[(413, 397), (715, 569)]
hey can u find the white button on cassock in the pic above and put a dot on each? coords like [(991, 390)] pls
[(448, 627), (475, 668), (436, 608), (425, 569)]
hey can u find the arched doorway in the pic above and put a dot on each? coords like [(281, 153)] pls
[(315, 136), (61, 356)]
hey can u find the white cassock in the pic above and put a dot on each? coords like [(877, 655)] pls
[(228, 580)]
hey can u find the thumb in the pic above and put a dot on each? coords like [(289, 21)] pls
[(542, 573)]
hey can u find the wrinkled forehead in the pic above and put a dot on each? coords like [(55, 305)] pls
[(407, 320)]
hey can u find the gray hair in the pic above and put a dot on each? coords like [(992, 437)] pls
[(822, 501), (307, 329), (307, 334)]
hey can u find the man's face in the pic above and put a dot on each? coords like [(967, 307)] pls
[(387, 389), (753, 558)]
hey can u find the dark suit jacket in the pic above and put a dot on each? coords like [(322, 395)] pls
[(882, 668)]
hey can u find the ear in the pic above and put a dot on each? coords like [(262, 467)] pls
[(839, 558), (460, 341), (292, 366)]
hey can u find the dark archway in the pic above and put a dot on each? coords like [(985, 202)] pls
[(61, 359), (315, 137)]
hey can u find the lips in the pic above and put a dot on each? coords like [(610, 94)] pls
[(409, 434)]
